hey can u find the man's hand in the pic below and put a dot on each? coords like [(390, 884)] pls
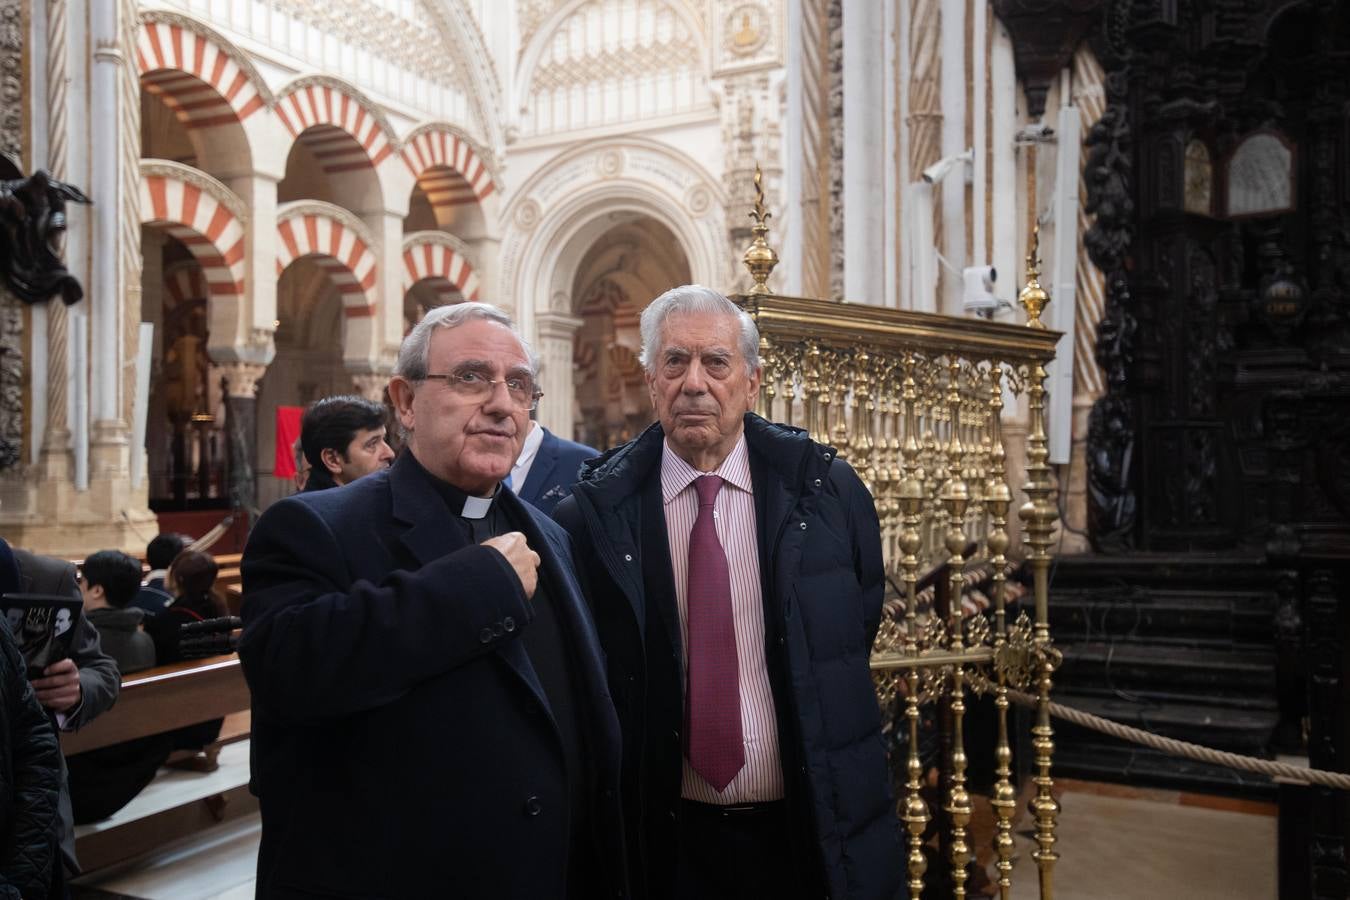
[(59, 687), (517, 551)]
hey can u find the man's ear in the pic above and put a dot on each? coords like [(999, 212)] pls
[(96, 591), (332, 460), (401, 395)]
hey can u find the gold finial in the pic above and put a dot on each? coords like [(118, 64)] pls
[(760, 258), (1033, 297)]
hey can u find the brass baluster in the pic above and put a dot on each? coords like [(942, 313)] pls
[(844, 374), (864, 420), (955, 495), (911, 503), (1038, 516), (811, 391), (998, 498), (769, 378)]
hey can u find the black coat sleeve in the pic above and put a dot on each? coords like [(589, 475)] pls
[(27, 856), (865, 540), (320, 644)]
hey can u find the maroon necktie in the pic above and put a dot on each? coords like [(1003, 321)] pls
[(715, 746)]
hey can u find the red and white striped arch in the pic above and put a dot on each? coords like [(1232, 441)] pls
[(324, 116), (195, 75), (342, 253), (184, 283), (447, 168), (205, 224), (425, 257)]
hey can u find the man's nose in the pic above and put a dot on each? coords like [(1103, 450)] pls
[(499, 402), (385, 452), (695, 379)]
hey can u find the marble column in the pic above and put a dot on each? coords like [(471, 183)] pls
[(865, 245), (241, 426), (554, 345)]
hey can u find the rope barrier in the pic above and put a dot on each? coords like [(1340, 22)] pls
[(1199, 753)]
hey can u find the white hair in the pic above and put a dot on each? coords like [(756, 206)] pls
[(414, 354), (695, 298)]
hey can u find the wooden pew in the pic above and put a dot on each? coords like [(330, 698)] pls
[(154, 701)]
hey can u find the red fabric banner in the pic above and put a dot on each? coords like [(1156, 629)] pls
[(288, 432)]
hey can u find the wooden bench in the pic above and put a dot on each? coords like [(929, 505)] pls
[(176, 803)]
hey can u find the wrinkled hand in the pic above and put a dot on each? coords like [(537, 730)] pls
[(517, 551), (59, 687)]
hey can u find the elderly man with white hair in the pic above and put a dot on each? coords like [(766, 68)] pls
[(430, 712), (735, 576)]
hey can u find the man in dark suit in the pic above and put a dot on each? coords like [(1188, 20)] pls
[(77, 689), (735, 575), (547, 468), (430, 712)]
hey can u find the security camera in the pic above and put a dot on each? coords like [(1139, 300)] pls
[(977, 295), (943, 167)]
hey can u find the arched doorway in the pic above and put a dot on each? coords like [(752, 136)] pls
[(623, 270)]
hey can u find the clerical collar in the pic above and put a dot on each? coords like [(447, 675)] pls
[(460, 503)]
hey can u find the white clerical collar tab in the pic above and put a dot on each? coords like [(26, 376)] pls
[(476, 507)]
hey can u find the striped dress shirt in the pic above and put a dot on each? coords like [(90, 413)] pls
[(734, 516)]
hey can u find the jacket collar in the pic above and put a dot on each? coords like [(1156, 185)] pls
[(779, 449), (417, 504)]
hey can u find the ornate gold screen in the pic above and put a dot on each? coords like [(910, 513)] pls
[(915, 402)]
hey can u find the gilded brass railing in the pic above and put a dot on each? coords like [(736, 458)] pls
[(915, 402)]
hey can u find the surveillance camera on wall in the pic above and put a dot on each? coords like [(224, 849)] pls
[(977, 294), (943, 167)]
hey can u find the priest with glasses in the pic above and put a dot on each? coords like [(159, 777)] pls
[(430, 710)]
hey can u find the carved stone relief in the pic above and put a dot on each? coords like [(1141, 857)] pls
[(11, 379)]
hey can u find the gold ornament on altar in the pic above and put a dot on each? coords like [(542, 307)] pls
[(760, 259), (1033, 297)]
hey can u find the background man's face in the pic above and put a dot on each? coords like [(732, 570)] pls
[(470, 445), (699, 384), (368, 452)]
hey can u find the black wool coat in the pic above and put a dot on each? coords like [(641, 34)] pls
[(403, 746), (822, 582)]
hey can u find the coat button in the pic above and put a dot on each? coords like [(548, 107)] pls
[(827, 456), (509, 624), (817, 482), (533, 807), (803, 526), (628, 557), (485, 636), (675, 736)]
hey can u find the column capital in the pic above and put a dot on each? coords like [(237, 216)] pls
[(557, 324), (241, 378), (371, 385)]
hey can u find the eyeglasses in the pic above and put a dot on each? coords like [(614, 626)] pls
[(475, 388)]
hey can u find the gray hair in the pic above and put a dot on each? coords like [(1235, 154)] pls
[(695, 298), (415, 352)]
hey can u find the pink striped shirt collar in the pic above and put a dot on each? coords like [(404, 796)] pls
[(676, 474)]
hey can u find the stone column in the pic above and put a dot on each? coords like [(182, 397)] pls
[(258, 192), (241, 428), (105, 290), (864, 153), (374, 349), (487, 259), (555, 333)]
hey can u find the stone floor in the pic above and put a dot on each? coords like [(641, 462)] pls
[(1115, 843)]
